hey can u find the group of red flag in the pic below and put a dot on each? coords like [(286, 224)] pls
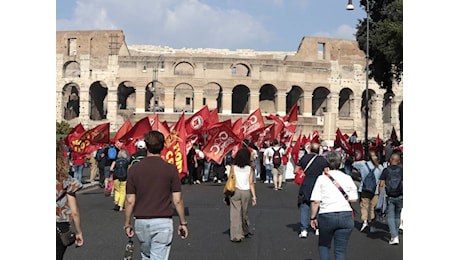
[(219, 138)]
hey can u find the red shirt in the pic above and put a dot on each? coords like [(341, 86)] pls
[(77, 159)]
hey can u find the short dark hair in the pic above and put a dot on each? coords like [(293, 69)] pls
[(275, 142), (155, 141), (334, 160), (242, 157)]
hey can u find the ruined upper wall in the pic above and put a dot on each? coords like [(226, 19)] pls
[(345, 52), (95, 43)]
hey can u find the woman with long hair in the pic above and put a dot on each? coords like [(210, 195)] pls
[(66, 202), (239, 202)]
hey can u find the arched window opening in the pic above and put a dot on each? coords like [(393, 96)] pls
[(370, 102), (388, 96), (240, 99), (241, 70), (267, 101), (293, 97), (98, 95), (71, 70), (345, 102), (212, 96), (155, 97), (184, 68), (71, 101), (183, 98), (319, 101), (126, 94)]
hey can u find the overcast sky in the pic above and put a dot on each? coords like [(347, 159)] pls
[(262, 25)]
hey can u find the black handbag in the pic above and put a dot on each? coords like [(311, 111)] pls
[(67, 237)]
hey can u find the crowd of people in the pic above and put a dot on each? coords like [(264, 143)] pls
[(324, 195)]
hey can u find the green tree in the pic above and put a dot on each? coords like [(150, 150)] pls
[(385, 40), (62, 128)]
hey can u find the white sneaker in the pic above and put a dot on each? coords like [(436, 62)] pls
[(394, 241), (219, 181), (364, 226), (317, 232), (303, 234), (198, 182)]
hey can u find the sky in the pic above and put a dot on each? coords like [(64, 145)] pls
[(261, 25)]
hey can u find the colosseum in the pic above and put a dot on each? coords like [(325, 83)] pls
[(99, 79)]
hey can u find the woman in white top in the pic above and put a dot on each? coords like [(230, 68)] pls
[(335, 219), (239, 202)]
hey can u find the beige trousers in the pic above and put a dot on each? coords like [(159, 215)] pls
[(239, 221), (368, 203)]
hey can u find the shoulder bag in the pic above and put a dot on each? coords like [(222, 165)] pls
[(67, 237), (230, 186), (300, 176), (345, 195)]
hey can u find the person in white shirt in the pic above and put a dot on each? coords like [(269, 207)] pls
[(277, 170), (335, 216)]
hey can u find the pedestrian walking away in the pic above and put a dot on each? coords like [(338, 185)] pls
[(152, 186), (314, 170), (239, 201), (392, 181), (331, 210)]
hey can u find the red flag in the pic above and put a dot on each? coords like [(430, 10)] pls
[(236, 127), (139, 129), (74, 134), (358, 151), (306, 140), (296, 149), (123, 130), (158, 126), (197, 122), (315, 137), (130, 146), (279, 125), (291, 116), (213, 117), (342, 142), (213, 129), (393, 137), (264, 134), (220, 144), (89, 141), (377, 141), (174, 151), (254, 122)]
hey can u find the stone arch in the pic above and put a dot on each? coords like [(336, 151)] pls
[(267, 99), (184, 68), (294, 96), (126, 96), (212, 96), (98, 100), (387, 104), (183, 98), (240, 99), (71, 101), (319, 101), (345, 104), (71, 69), (159, 93), (372, 96), (241, 69)]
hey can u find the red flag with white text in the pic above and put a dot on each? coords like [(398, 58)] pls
[(174, 151), (220, 144), (197, 123), (253, 123)]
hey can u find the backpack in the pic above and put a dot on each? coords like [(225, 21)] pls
[(98, 154), (120, 171), (393, 182), (369, 183), (137, 159), (277, 158), (112, 153)]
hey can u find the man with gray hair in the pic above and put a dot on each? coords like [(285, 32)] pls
[(311, 174)]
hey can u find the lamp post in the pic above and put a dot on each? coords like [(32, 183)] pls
[(160, 60), (366, 108)]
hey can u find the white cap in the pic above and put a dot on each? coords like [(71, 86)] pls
[(141, 144)]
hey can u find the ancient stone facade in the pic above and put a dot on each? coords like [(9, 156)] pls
[(100, 79)]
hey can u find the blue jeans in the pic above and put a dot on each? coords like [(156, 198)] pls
[(268, 173), (304, 216), (78, 170), (207, 167), (337, 226), (155, 237), (394, 214)]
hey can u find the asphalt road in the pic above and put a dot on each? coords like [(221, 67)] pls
[(274, 222)]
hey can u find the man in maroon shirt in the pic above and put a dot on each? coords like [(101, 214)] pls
[(151, 185)]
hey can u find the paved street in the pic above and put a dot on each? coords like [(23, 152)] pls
[(274, 222)]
